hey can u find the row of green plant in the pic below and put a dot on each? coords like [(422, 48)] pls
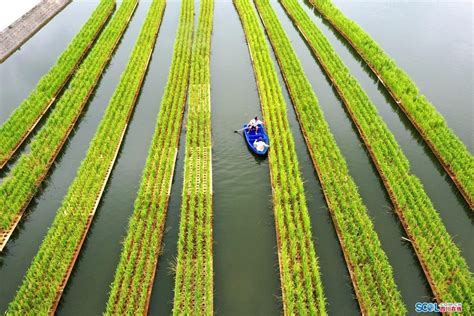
[(302, 289), (193, 294), (48, 274), (133, 281), (453, 154), (368, 264), (22, 121), (445, 268), (17, 190)]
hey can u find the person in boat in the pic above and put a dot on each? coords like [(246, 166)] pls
[(260, 144), (253, 124)]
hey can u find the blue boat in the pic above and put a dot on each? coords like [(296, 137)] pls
[(251, 137)]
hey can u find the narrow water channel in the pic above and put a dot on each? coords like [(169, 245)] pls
[(24, 244), (245, 254), (454, 211), (407, 272)]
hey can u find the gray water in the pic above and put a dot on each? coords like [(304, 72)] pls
[(245, 260)]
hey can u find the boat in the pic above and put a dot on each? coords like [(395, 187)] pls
[(250, 137)]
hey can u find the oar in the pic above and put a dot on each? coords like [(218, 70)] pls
[(238, 130)]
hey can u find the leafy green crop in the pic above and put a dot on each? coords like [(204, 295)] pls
[(193, 294), (17, 190), (367, 263), (132, 285), (302, 290), (23, 120), (445, 268), (449, 149), (48, 274)]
